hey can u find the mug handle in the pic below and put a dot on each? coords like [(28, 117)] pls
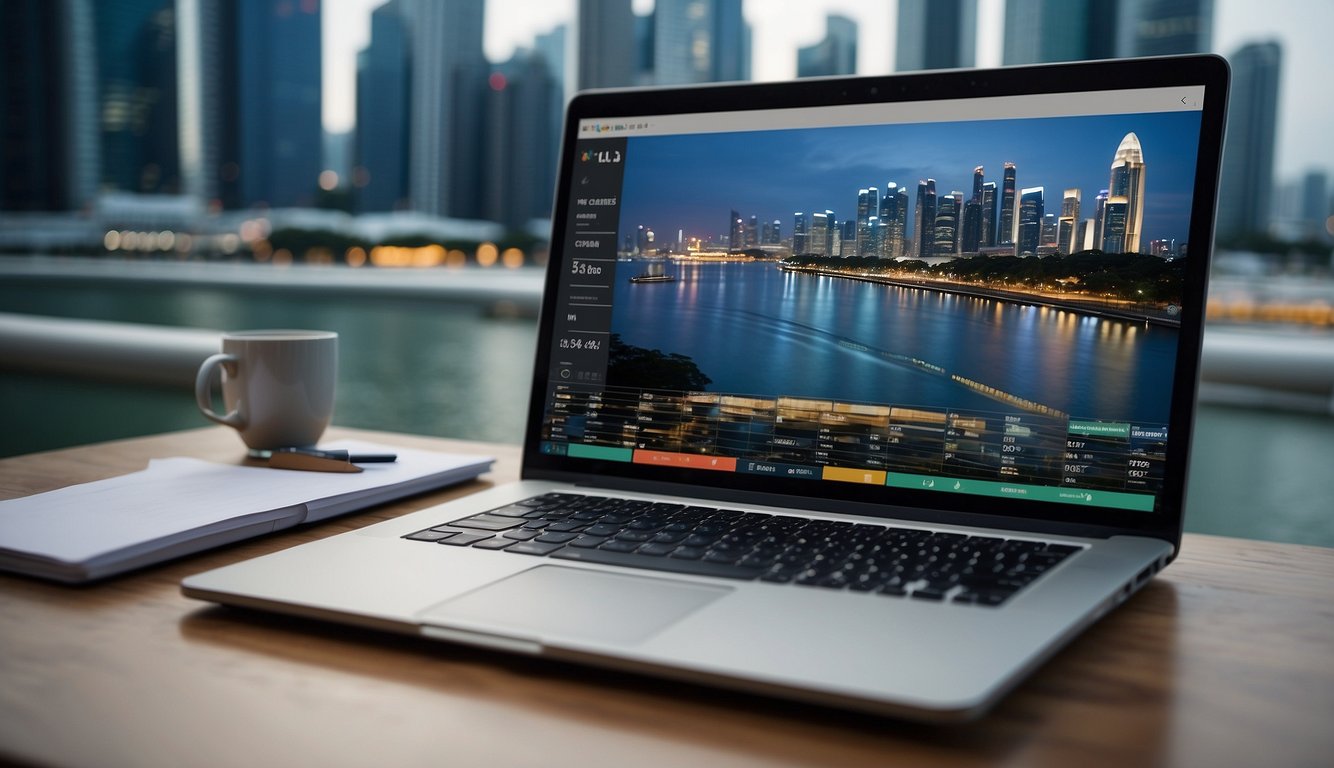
[(204, 398)]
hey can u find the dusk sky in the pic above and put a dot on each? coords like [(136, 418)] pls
[(692, 182)]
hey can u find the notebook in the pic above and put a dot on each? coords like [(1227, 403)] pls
[(867, 392)]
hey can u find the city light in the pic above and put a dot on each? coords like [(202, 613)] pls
[(487, 253)]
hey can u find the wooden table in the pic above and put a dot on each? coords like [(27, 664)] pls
[(1225, 659)]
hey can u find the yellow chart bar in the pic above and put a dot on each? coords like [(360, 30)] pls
[(845, 475)]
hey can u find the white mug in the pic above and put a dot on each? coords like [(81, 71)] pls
[(278, 386)]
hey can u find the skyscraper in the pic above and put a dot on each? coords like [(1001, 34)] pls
[(800, 242), (700, 41), (1247, 178), (946, 228), (518, 178), (836, 54), (135, 44), (49, 140), (449, 73), (1059, 30), (1128, 182), (1067, 227), (605, 44), (278, 102), (1005, 228), (924, 218), (818, 241), (1099, 219), (380, 162), (893, 217), (988, 214), (736, 237), (936, 34), (1030, 221), (1163, 27), (1114, 224)]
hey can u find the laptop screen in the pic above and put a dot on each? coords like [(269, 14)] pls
[(970, 297)]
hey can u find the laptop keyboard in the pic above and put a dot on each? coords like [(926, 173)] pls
[(706, 541)]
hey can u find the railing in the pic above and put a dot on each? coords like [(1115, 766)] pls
[(1239, 367)]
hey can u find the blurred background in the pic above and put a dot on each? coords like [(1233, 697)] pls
[(174, 168)]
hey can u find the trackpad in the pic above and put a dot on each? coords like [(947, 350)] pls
[(552, 601)]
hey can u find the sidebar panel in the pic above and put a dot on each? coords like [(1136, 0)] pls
[(588, 269)]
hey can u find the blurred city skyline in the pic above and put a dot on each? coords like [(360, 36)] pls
[(781, 27)]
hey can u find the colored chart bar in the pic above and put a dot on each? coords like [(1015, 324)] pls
[(847, 475), (691, 460), (581, 451)]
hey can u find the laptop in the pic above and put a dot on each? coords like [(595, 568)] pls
[(868, 392)]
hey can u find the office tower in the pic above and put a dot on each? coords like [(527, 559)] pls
[(836, 54), (278, 102), (946, 227), (978, 181), (1099, 219), (50, 154), (551, 47), (1128, 181), (1030, 222), (1049, 230), (752, 232), (1067, 234), (1084, 236), (863, 216), (518, 172), (867, 243), (1162, 27), (1247, 178), (831, 231), (380, 164), (924, 218), (1114, 217), (645, 35), (135, 44), (448, 79), (970, 230), (988, 214), (936, 34), (605, 44), (1059, 30), (700, 41), (1314, 207), (818, 239), (800, 241), (853, 239), (893, 215), (775, 234), (736, 238), (1005, 226)]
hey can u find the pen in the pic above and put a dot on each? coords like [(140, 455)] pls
[(325, 461)]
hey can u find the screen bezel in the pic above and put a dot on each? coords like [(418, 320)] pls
[(1165, 522)]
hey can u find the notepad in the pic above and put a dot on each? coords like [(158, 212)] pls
[(178, 505)]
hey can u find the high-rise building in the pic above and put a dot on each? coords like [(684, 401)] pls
[(605, 44), (1005, 232), (800, 237), (775, 233), (1163, 27), (1099, 219), (135, 44), (818, 241), (970, 228), (893, 217), (736, 237), (380, 154), (449, 74), (700, 41), (836, 54), (1114, 217), (752, 232), (988, 214), (1247, 178), (924, 218), (1067, 228), (1049, 231), (852, 239), (1059, 30), (936, 34), (946, 226), (863, 215), (49, 139), (1031, 214), (831, 231), (1128, 182), (518, 172), (278, 100)]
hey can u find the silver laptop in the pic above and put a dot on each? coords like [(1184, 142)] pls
[(867, 392)]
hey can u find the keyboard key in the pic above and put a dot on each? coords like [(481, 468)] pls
[(487, 522), (656, 549), (494, 542), (534, 548), (556, 538), (619, 545), (430, 535), (462, 539)]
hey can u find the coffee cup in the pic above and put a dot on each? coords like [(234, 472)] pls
[(277, 386)]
